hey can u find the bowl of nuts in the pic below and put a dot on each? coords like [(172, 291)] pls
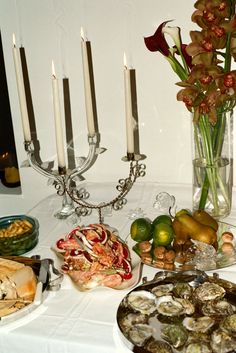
[(18, 234)]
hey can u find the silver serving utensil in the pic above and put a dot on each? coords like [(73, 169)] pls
[(42, 278)]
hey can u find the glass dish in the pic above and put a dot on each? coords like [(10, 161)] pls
[(206, 258), (84, 262), (18, 244)]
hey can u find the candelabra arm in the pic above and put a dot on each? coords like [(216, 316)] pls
[(29, 148), (91, 157)]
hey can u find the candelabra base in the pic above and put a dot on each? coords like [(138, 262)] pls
[(65, 212)]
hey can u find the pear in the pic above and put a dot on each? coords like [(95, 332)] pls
[(196, 230), (181, 233), (204, 218)]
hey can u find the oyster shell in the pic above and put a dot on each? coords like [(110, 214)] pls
[(176, 335), (194, 337), (229, 324), (200, 324), (127, 322), (142, 301), (182, 290), (187, 305), (222, 342), (208, 291), (162, 289), (168, 306), (198, 347), (219, 308), (156, 346), (140, 333)]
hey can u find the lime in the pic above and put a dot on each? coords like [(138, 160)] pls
[(162, 234), (141, 229), (162, 219)]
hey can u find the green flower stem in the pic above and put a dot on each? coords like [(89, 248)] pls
[(177, 67), (212, 142), (204, 128)]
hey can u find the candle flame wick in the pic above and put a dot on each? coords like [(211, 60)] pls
[(82, 34), (14, 39), (53, 70), (125, 61)]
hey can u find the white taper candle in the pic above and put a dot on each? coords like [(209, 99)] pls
[(87, 85), (57, 118), (128, 109), (21, 92)]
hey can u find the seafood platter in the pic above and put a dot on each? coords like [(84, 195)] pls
[(24, 285), (95, 256), (184, 312)]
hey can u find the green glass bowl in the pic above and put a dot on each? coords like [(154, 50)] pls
[(18, 244)]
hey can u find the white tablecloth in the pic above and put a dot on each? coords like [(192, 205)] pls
[(70, 321)]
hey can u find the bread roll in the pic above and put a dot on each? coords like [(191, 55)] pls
[(8, 266), (25, 282)]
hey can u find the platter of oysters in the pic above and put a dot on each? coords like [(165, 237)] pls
[(184, 312)]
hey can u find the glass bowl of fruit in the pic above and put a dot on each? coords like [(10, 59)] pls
[(186, 241)]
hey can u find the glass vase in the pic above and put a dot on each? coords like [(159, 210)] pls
[(213, 164)]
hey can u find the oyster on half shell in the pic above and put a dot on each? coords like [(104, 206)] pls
[(170, 306), (176, 335), (142, 301), (199, 324), (219, 308), (222, 342), (208, 291), (130, 319), (162, 289), (140, 333), (198, 347), (229, 324), (182, 290), (156, 346)]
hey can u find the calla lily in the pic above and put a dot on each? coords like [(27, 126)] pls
[(174, 32), (157, 41)]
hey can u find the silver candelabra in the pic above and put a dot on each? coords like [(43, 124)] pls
[(74, 200)]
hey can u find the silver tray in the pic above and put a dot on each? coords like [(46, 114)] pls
[(194, 278), (52, 282)]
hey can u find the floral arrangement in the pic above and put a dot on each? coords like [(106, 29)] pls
[(208, 84)]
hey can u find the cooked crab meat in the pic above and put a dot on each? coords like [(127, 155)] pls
[(208, 291), (200, 324)]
